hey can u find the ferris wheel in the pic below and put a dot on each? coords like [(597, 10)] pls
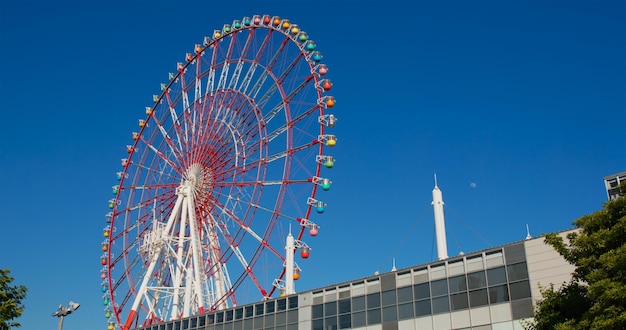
[(228, 160)]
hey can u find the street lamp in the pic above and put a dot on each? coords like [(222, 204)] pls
[(64, 311)]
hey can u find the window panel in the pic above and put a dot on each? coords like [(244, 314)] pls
[(390, 313), (281, 304), (520, 290), (421, 291), (292, 316), (439, 288), (269, 320), (358, 319), (281, 318), (317, 311), (459, 301), (422, 307), (239, 313), (496, 276), (345, 321), (457, 284), (405, 294), (293, 302), (405, 311), (440, 305), (478, 298), (373, 300), (318, 324), (269, 306), (373, 316), (517, 272), (330, 308), (358, 303), (389, 297), (498, 294), (476, 280), (344, 306), (259, 309)]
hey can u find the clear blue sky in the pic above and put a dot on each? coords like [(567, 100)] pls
[(526, 99)]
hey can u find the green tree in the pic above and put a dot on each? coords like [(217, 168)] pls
[(595, 298), (10, 300)]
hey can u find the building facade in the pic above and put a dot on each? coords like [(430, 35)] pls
[(490, 289), (612, 182)]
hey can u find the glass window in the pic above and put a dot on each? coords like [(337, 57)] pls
[(292, 316), (440, 305), (344, 306), (210, 319), (330, 323), (496, 276), (345, 321), (439, 288), (459, 301), (476, 280), (269, 321), (281, 318), (269, 306), (330, 308), (373, 316), (478, 298), (405, 311), (520, 290), (390, 313), (220, 317), (318, 324), (422, 307), (421, 291), (249, 311), (405, 294), (389, 298), (517, 271), (293, 302), (239, 313), (201, 321), (358, 303), (373, 300), (318, 311), (358, 319), (259, 309), (457, 284), (229, 315), (258, 322), (281, 304), (498, 294)]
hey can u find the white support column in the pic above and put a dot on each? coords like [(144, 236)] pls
[(440, 226), (289, 265)]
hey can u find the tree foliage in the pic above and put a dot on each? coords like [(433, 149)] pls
[(595, 298), (10, 300)]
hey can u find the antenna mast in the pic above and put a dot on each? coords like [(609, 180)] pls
[(440, 226)]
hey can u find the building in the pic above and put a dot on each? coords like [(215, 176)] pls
[(612, 182), (490, 289)]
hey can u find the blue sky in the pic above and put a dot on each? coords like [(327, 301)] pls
[(525, 99)]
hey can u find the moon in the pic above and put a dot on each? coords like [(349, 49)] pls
[(473, 184)]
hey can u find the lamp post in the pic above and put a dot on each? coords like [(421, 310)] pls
[(64, 311)]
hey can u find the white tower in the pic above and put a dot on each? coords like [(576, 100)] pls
[(289, 265), (440, 226)]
